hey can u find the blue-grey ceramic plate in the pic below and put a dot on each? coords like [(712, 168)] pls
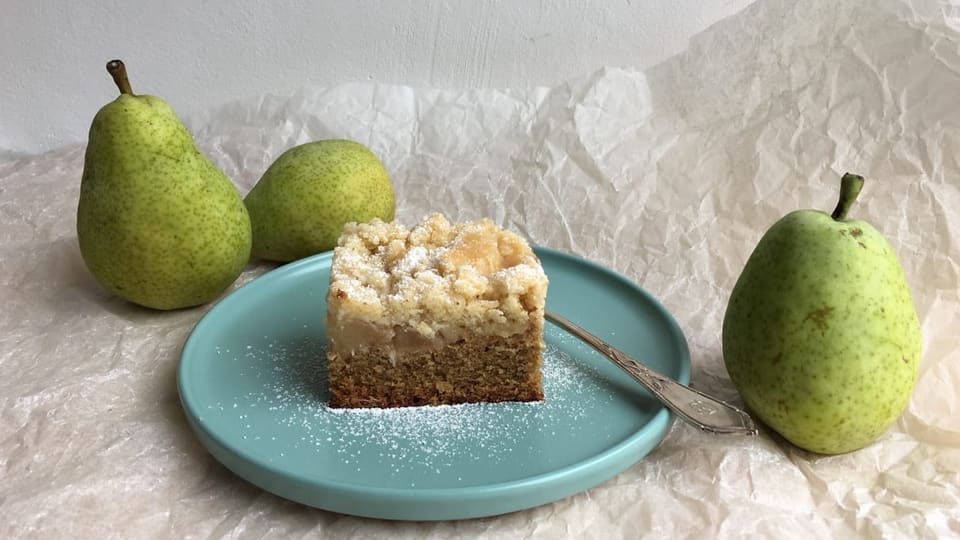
[(252, 383)]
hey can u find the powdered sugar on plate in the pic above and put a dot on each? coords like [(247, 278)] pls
[(283, 411)]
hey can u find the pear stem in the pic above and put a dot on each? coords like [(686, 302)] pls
[(850, 186), (119, 73)]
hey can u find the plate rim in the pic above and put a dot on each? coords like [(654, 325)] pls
[(623, 454)]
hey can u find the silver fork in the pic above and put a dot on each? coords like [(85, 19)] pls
[(703, 411)]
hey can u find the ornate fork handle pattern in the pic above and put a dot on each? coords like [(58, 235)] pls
[(703, 411)]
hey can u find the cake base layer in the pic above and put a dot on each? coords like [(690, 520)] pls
[(479, 369)]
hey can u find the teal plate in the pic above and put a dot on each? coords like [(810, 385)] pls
[(252, 382)]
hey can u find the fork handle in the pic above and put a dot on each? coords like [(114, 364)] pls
[(703, 411)]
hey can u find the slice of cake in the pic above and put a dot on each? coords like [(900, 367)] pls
[(438, 314)]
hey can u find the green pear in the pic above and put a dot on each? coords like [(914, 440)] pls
[(821, 336), (301, 203), (158, 223)]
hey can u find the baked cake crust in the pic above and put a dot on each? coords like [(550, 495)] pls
[(441, 313)]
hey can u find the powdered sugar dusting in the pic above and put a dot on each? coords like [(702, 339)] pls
[(284, 413)]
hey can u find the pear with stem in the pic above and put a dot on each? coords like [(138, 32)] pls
[(158, 224)]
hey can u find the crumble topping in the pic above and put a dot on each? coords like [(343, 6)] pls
[(435, 281)]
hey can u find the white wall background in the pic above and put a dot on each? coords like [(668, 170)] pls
[(197, 54)]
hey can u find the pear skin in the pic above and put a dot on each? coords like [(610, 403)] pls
[(301, 203), (158, 224), (821, 336)]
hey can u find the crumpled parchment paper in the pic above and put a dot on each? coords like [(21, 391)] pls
[(669, 177)]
